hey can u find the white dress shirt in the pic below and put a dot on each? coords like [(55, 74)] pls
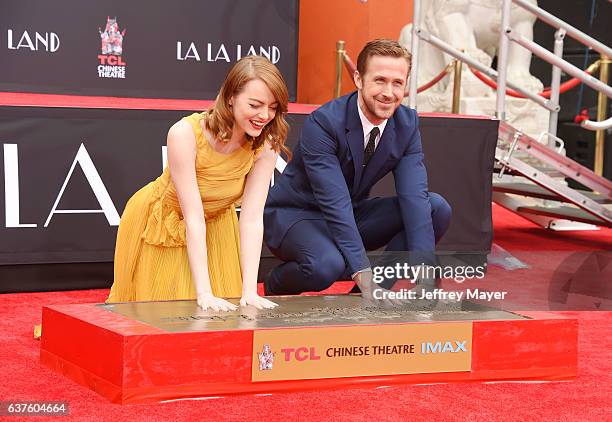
[(367, 128)]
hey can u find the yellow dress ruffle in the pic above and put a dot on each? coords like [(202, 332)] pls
[(151, 261)]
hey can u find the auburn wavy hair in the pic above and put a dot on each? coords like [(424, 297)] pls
[(220, 119)]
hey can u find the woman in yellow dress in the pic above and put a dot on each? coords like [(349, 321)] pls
[(179, 236)]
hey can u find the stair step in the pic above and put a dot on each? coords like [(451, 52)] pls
[(536, 191), (547, 156), (564, 212), (546, 170)]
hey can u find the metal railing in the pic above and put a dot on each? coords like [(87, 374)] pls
[(554, 58)]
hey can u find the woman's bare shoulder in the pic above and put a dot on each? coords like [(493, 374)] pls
[(266, 150), (181, 133)]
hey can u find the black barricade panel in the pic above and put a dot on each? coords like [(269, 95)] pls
[(141, 48), (68, 173)]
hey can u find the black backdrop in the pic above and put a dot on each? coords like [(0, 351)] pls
[(577, 13), (54, 46), (123, 148)]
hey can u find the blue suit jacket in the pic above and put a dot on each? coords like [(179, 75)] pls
[(326, 178)]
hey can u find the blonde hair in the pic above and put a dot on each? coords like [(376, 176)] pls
[(382, 47), (220, 119)]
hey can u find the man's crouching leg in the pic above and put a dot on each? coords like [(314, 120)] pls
[(312, 261)]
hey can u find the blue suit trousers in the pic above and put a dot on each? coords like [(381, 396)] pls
[(312, 262)]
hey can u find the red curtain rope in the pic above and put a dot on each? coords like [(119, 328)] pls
[(564, 87)]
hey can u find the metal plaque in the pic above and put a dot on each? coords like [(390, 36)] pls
[(297, 311)]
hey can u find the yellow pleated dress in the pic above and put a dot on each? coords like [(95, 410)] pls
[(151, 260)]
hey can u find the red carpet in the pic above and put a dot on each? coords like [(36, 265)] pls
[(514, 232), (585, 399)]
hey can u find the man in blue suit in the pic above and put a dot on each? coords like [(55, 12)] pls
[(318, 218)]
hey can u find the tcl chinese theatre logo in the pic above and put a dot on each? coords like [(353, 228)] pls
[(111, 64)]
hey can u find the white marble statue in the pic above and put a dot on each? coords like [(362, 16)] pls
[(474, 27)]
